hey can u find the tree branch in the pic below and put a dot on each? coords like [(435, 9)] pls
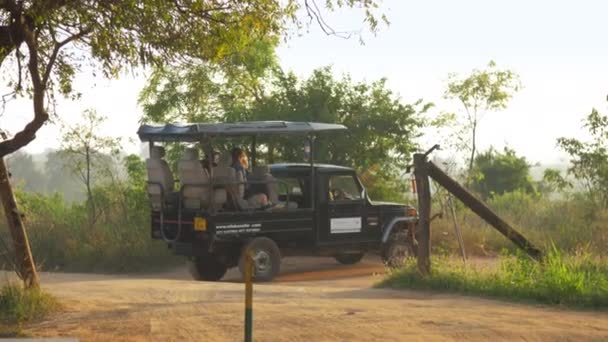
[(40, 114), (58, 46)]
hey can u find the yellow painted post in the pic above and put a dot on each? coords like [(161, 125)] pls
[(248, 295)]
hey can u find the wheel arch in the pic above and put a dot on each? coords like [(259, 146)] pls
[(393, 225)]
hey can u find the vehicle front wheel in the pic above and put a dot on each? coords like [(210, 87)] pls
[(207, 268), (349, 259), (396, 252), (266, 257)]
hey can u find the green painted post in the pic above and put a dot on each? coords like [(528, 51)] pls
[(248, 296)]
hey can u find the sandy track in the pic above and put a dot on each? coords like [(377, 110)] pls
[(313, 300)]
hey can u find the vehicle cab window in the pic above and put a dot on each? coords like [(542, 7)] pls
[(344, 188)]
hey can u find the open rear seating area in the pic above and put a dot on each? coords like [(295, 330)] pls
[(220, 189)]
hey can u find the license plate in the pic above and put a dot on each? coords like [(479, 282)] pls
[(200, 224)]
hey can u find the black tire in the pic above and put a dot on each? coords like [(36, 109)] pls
[(397, 250), (349, 259), (267, 258), (207, 268)]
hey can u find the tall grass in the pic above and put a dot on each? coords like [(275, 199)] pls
[(576, 281), (572, 223), (18, 305)]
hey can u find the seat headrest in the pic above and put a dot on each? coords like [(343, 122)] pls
[(157, 152), (190, 154), (260, 170)]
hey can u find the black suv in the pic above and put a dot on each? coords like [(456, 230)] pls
[(314, 209)]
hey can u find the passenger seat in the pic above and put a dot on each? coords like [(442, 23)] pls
[(194, 180), (160, 178)]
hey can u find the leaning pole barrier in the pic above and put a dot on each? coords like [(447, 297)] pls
[(248, 296), (481, 209)]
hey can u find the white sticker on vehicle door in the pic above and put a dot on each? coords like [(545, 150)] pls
[(345, 225)]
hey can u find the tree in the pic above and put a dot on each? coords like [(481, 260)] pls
[(86, 151), (63, 36), (589, 160), (480, 92), (381, 134), (498, 173)]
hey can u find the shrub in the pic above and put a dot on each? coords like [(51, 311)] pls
[(18, 305)]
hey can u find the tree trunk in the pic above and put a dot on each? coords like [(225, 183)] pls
[(90, 203), (24, 259)]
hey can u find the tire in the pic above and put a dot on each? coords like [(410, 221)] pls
[(397, 251), (349, 259), (267, 258), (207, 268)]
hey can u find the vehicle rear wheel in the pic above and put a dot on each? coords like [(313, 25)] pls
[(207, 268), (266, 257), (397, 251), (349, 259)]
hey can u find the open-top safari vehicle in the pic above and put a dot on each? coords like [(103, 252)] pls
[(313, 209)]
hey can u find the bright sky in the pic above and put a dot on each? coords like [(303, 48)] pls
[(557, 47)]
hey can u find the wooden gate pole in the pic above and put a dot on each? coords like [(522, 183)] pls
[(24, 259), (479, 208), (424, 213), (249, 295)]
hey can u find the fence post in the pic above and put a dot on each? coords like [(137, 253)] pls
[(424, 213)]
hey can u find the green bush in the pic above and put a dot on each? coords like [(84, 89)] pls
[(576, 281), (18, 305)]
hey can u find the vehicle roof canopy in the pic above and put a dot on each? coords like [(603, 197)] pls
[(197, 131)]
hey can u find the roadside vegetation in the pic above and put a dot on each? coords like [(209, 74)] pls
[(19, 305), (565, 214), (114, 238), (579, 280)]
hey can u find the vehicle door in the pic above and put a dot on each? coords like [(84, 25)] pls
[(345, 209)]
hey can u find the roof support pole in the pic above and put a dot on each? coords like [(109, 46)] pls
[(253, 151), (311, 142)]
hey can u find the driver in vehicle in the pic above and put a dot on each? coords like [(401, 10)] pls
[(240, 163), (337, 194)]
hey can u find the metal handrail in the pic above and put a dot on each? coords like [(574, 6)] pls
[(162, 211)]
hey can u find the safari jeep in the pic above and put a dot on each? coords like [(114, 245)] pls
[(314, 209)]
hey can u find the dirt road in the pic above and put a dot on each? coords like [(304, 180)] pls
[(313, 300)]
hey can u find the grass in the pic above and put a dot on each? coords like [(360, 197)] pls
[(19, 305), (579, 281)]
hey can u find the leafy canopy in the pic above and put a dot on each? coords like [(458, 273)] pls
[(498, 173), (382, 129), (589, 159), (63, 37), (480, 92)]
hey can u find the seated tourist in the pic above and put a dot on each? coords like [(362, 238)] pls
[(240, 164)]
